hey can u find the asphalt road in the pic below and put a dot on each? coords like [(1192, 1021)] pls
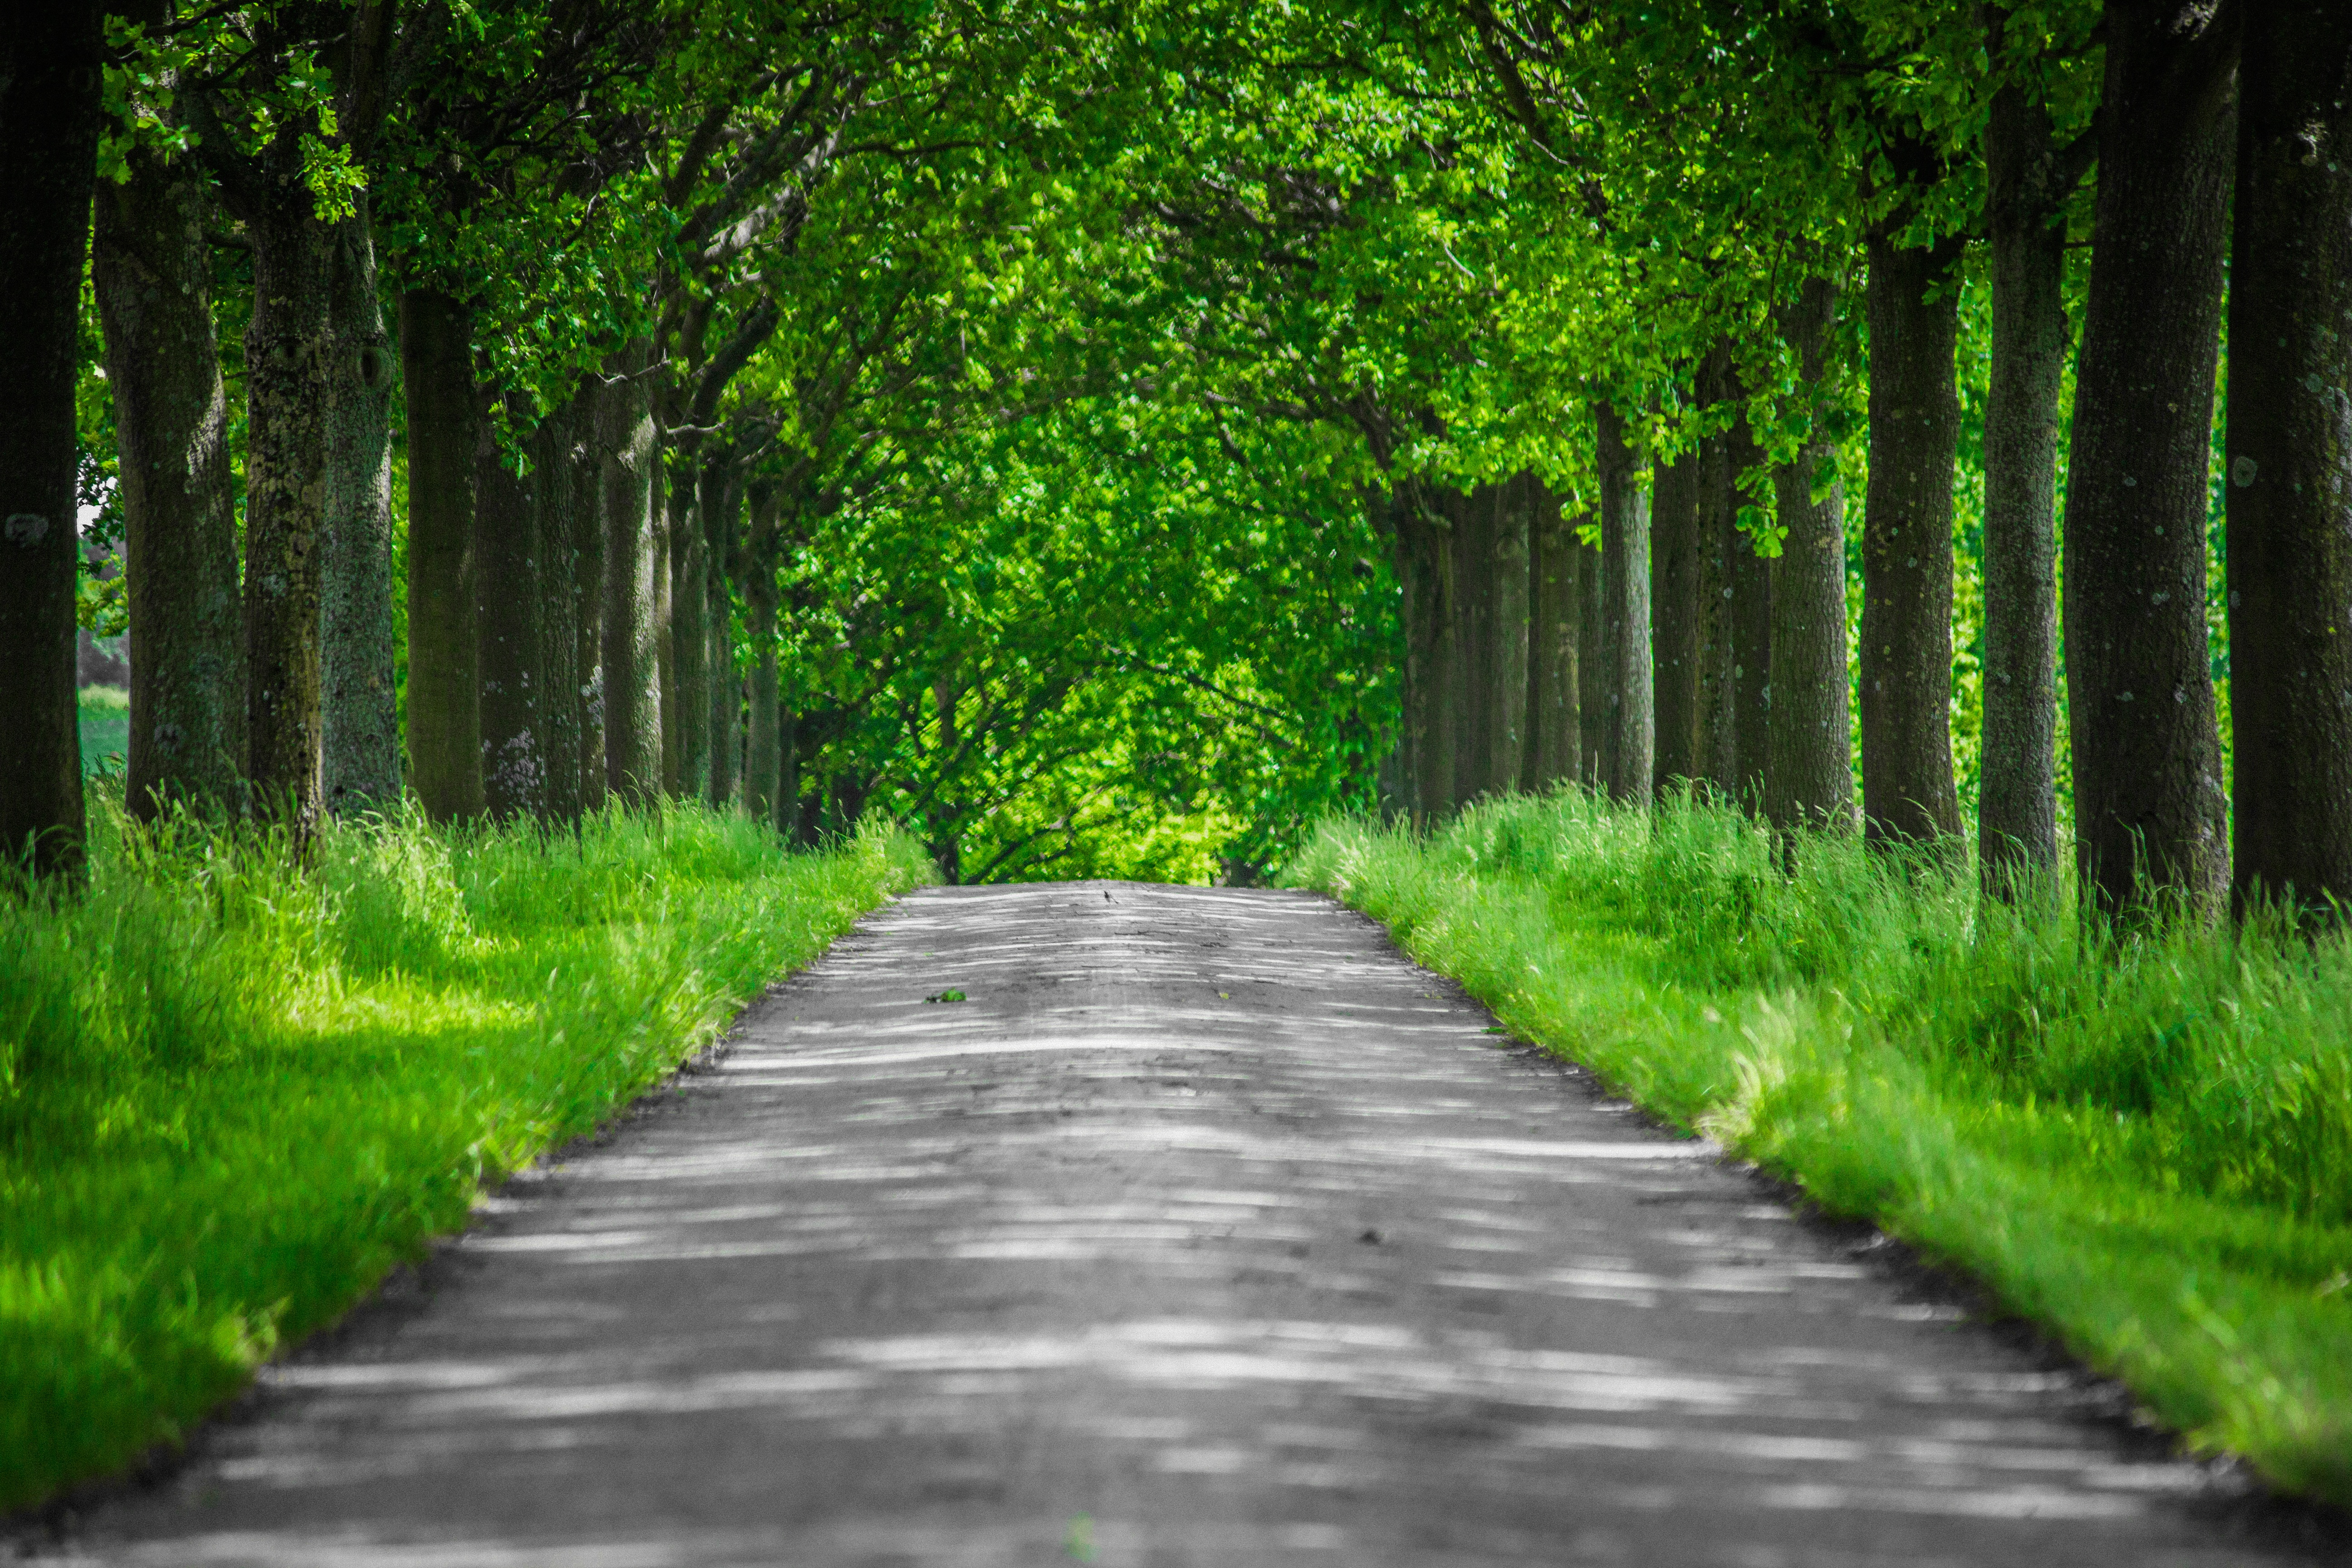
[(1206, 1230)]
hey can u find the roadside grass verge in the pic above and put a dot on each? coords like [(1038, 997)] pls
[(2144, 1144), (234, 1095)]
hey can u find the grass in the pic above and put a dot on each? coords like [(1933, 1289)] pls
[(232, 1095), (2145, 1145), (105, 713)]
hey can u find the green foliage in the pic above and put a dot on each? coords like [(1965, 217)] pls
[(2146, 1145), (233, 1095)]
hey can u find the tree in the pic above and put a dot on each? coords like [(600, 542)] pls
[(2146, 752), (153, 271), (49, 122), (2029, 178), (1809, 773), (2290, 460)]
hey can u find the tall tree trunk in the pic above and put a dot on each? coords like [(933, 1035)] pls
[(588, 586), (1472, 705), (153, 269), (2290, 459), (360, 710), (1715, 740), (763, 759), (288, 345), (1422, 563), (1627, 738), (506, 629), (50, 116), (722, 503), (1591, 665), (1514, 502), (2017, 799), (666, 570), (1673, 615), (1751, 632), (635, 561), (1551, 703), (559, 515), (1907, 793), (1809, 769), (2146, 753), (689, 680), (445, 736)]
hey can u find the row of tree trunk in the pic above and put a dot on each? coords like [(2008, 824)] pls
[(1672, 655)]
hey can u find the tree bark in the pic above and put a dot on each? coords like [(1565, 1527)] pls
[(1553, 739), (1471, 706), (1674, 615), (1422, 561), (288, 349), (722, 504), (1715, 742), (689, 680), (1809, 769), (1627, 738), (1751, 632), (2017, 799), (635, 561), (588, 588), (1908, 792), (1507, 739), (506, 630), (2290, 461), (50, 115), (445, 736), (1591, 665), (360, 713), (764, 756), (2146, 754), (557, 474), (665, 573), (153, 269)]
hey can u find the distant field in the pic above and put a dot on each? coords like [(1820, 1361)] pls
[(105, 728)]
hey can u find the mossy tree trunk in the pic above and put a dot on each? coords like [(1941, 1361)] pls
[(290, 346), (152, 270), (2017, 789), (49, 116), (2290, 459), (1715, 742), (722, 506), (1591, 672), (763, 759), (1674, 615), (361, 715), (689, 577), (635, 562), (509, 587), (1627, 738), (1751, 629), (1553, 559), (588, 585), (2146, 752), (1514, 502), (445, 736), (1419, 539), (1905, 665), (1809, 768), (556, 473)]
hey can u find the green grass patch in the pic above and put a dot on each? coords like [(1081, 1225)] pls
[(233, 1095), (105, 715), (2145, 1144)]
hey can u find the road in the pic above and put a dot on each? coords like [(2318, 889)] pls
[(1205, 1230)]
